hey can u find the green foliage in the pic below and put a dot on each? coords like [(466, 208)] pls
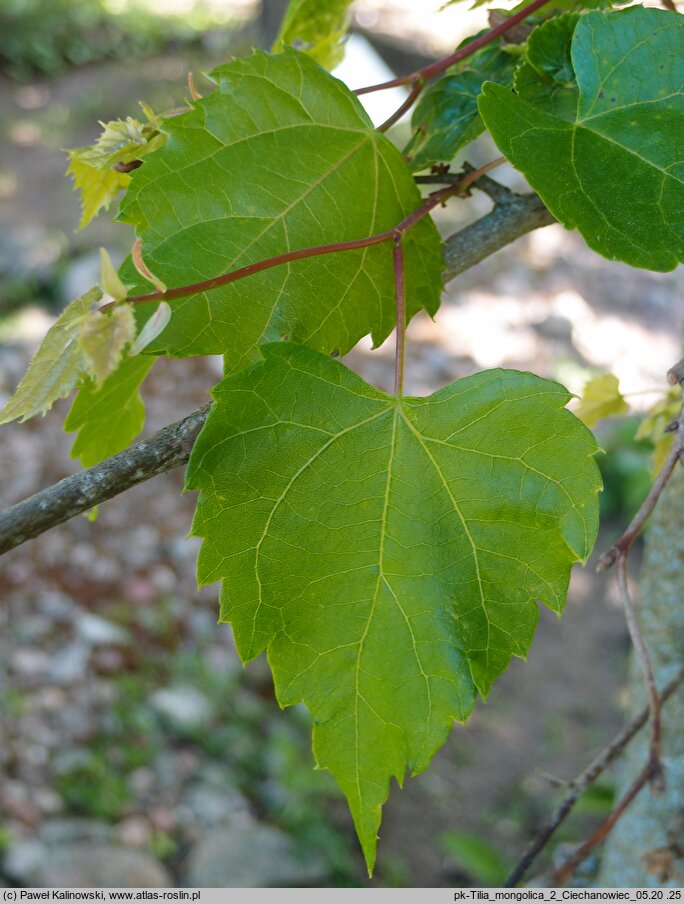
[(48, 36), (109, 418), (447, 117), (603, 152), (387, 552), (261, 178), (476, 857), (316, 27)]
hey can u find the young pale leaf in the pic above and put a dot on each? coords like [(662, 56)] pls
[(316, 27), (658, 417), (109, 418), (153, 328), (56, 367), (389, 554), (601, 398), (121, 141), (280, 157), (109, 278), (605, 153), (98, 187), (447, 118), (103, 338)]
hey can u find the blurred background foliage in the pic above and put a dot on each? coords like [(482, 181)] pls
[(48, 36)]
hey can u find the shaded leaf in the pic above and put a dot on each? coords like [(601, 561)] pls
[(606, 158), (447, 117), (109, 418), (56, 367), (281, 157), (601, 397), (475, 856), (387, 553), (316, 27)]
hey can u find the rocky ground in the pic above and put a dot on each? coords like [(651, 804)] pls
[(134, 748)]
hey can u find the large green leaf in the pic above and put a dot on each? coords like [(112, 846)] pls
[(316, 27), (281, 156), (605, 152), (447, 118), (388, 553), (109, 418)]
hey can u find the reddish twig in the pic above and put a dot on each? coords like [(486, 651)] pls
[(400, 286), (428, 72), (417, 86), (434, 199), (563, 873), (584, 780)]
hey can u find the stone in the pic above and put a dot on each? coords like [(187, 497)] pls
[(98, 631), (84, 864), (183, 706), (70, 664), (249, 854)]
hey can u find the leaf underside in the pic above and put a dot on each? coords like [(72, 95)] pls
[(388, 554), (280, 157), (605, 153)]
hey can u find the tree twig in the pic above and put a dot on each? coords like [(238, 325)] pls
[(165, 450), (563, 873), (584, 780), (80, 492), (428, 72)]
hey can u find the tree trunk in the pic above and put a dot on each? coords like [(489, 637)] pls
[(646, 847)]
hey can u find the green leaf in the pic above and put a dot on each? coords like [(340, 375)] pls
[(601, 398), (56, 367), (476, 856), (109, 418), (447, 118), (605, 154), (103, 338), (316, 27), (280, 157), (387, 553)]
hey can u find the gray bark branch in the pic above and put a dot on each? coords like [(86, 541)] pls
[(512, 216), (167, 449)]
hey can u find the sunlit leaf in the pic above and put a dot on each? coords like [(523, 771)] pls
[(389, 554), (601, 397)]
